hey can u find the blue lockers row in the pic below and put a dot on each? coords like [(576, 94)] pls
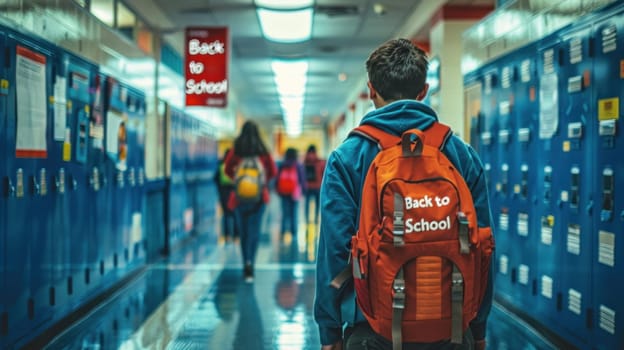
[(547, 133), (76, 204)]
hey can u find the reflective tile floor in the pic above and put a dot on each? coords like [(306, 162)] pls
[(197, 299)]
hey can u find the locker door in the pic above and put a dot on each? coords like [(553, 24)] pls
[(497, 110), (574, 168), (79, 201), (4, 91), (549, 241), (608, 147), (521, 152), (28, 141), (101, 184), (136, 165), (118, 169)]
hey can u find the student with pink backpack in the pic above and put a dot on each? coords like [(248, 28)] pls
[(290, 185)]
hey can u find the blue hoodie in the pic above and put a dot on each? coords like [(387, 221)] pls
[(340, 201)]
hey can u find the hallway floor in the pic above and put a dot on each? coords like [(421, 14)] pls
[(197, 299)]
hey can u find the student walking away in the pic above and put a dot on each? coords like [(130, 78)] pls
[(290, 185), (416, 274), (251, 166), (225, 186), (314, 167)]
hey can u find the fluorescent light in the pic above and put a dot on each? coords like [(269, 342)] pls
[(286, 26), (284, 4), (290, 77), (291, 103), (289, 68), (291, 87)]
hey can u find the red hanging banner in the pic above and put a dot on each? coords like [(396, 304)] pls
[(206, 65)]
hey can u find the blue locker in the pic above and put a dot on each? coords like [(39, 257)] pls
[(101, 184), (523, 107), (177, 188), (608, 147), (547, 213), (135, 106), (574, 166), (495, 143), (473, 90), (505, 214), (4, 91), (25, 175), (117, 169), (78, 75)]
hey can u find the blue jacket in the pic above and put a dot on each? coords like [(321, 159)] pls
[(340, 199)]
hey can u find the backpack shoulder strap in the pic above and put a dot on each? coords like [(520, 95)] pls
[(437, 135), (380, 137)]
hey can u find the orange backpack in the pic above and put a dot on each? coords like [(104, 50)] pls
[(420, 262)]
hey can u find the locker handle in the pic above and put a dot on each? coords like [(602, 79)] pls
[(589, 208), (9, 188), (35, 187)]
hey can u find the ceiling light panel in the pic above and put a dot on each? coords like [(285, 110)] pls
[(286, 26), (284, 4)]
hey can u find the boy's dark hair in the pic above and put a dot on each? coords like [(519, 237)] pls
[(397, 70)]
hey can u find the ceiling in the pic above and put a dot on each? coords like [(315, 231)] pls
[(344, 33)]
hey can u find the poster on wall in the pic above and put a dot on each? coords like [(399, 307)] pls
[(206, 66), (116, 145), (96, 122), (60, 108), (549, 106), (30, 70)]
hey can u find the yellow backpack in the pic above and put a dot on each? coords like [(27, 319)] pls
[(249, 180)]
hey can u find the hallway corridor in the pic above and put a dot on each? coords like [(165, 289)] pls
[(197, 299)]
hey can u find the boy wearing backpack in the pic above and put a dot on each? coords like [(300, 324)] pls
[(416, 256)]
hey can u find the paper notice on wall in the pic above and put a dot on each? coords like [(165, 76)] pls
[(60, 108), (30, 79), (113, 121), (549, 106)]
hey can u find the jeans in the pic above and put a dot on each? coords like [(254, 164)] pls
[(289, 215), (249, 218), (229, 227), (362, 337), (312, 195)]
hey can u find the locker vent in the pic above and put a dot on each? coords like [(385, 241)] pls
[(574, 301), (488, 84), (549, 61), (607, 319), (576, 50), (574, 239), (525, 71), (523, 274), (523, 224), (506, 77), (503, 222), (547, 287), (546, 234), (606, 248), (503, 264), (609, 39)]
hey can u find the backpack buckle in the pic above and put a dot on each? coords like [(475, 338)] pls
[(457, 285), (398, 226), (398, 302), (464, 244)]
